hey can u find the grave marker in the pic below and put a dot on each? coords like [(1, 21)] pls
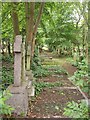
[(17, 60)]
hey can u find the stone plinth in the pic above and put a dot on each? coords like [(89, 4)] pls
[(19, 99)]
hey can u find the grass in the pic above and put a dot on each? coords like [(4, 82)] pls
[(56, 69), (54, 61)]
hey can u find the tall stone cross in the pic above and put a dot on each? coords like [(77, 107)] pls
[(17, 60)]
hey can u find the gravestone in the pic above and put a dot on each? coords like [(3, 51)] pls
[(29, 74), (19, 91), (17, 60)]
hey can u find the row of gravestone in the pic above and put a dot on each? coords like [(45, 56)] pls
[(22, 89)]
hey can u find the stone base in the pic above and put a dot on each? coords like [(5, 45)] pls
[(19, 99)]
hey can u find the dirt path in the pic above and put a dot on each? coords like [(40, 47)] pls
[(52, 100), (71, 69)]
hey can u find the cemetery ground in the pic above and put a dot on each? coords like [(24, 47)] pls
[(53, 89)]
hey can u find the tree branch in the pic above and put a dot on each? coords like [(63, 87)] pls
[(38, 20)]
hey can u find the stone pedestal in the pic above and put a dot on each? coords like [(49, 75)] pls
[(19, 99)]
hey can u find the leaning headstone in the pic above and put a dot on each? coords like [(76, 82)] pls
[(29, 74)]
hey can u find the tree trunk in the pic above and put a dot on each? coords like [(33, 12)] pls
[(30, 24), (15, 20), (9, 50), (35, 28), (89, 27)]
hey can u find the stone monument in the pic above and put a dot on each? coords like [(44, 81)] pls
[(19, 90)]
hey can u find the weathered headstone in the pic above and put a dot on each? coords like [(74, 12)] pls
[(19, 99), (29, 75), (17, 60)]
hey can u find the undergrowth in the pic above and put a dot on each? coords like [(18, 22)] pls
[(4, 108), (7, 77), (76, 110), (80, 77), (39, 86)]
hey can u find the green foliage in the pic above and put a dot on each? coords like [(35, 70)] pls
[(80, 77), (36, 67), (36, 60), (4, 108), (41, 85), (83, 65), (7, 77), (76, 110), (44, 71), (7, 59), (61, 71), (7, 72), (41, 72), (55, 69)]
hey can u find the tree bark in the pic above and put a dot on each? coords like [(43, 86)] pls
[(35, 28), (27, 11), (31, 23), (88, 51), (29, 30), (15, 20), (38, 20), (9, 50)]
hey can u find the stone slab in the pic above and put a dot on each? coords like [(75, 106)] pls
[(19, 99)]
